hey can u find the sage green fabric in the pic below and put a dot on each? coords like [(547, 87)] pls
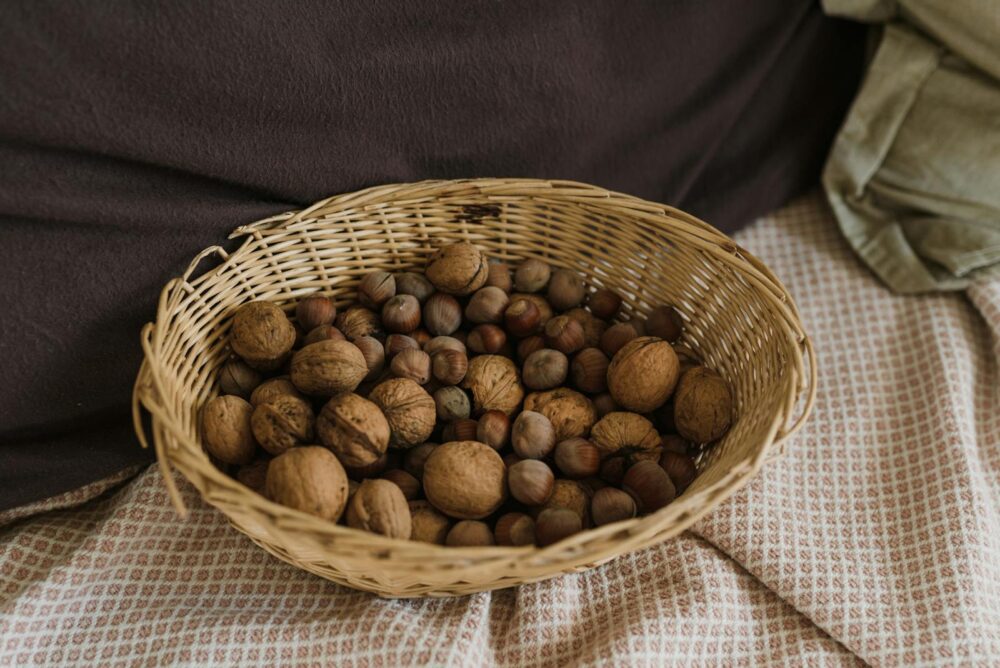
[(914, 174)]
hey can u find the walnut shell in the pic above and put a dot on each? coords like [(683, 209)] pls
[(357, 321), (429, 525), (328, 368), (624, 433), (703, 405), (494, 383), (380, 507), (273, 388), (262, 335), (283, 424), (465, 479), (571, 413), (643, 374), (457, 269), (309, 479), (409, 409), (226, 430), (593, 327), (354, 429)]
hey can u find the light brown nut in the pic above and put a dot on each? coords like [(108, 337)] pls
[(465, 479)]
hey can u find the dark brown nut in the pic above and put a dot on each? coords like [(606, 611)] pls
[(401, 314), (611, 505), (555, 524), (226, 429), (589, 371), (494, 383), (238, 378), (309, 479), (397, 343), (372, 470), (409, 410), (442, 314), (544, 308), (380, 507), (564, 334), (354, 429), (639, 325), (592, 484), (273, 388), (452, 403), (376, 288), (643, 374), (493, 429), (515, 529), (616, 336), (649, 485), (613, 470), (565, 290), (703, 405), (499, 276), (323, 333), (461, 336), (532, 276), (680, 468), (577, 458), (522, 318), (469, 533), (374, 353), (300, 335), (593, 327), (415, 458), (663, 416), (412, 364), (688, 358), (571, 413), (545, 369), (449, 366), (532, 435), (604, 404), (530, 481), (529, 345), (315, 310), (622, 433), (457, 269), (357, 321), (328, 368), (262, 335), (439, 343), (421, 336), (604, 303), (674, 443), (462, 429), (428, 525), (411, 283), (283, 424), (510, 459), (409, 485), (665, 322), (571, 495), (487, 339), (465, 479), (487, 306), (254, 475)]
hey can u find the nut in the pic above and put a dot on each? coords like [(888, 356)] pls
[(442, 314), (530, 482), (413, 462), (309, 479), (487, 339), (604, 404), (589, 370), (649, 485), (571, 495), (401, 314), (529, 345), (555, 524), (469, 533), (409, 410), (428, 525), (439, 343), (409, 485), (328, 368), (532, 435), (376, 288), (665, 322), (545, 369), (510, 459), (616, 336), (354, 429), (380, 507), (571, 413), (457, 269), (412, 364), (465, 479), (374, 353), (592, 484), (237, 377), (565, 290), (494, 383), (622, 433), (283, 424), (315, 310), (522, 317), (271, 389), (397, 343), (593, 328), (643, 374), (487, 305), (411, 283), (493, 429), (604, 303), (564, 334), (544, 309), (577, 458), (703, 405), (254, 475), (611, 505), (680, 468), (462, 429), (499, 276), (674, 443), (369, 470), (449, 366), (421, 336), (532, 276), (357, 321), (613, 470), (226, 429), (515, 529), (451, 403), (262, 335), (322, 333)]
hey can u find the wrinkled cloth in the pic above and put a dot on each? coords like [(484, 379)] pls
[(875, 539)]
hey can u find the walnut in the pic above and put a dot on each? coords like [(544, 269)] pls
[(593, 328), (429, 526), (226, 430), (354, 429), (703, 405), (494, 383), (254, 475), (409, 409), (457, 269), (643, 374), (622, 433), (273, 388), (262, 335), (328, 367), (380, 507), (357, 321), (465, 479), (309, 479), (571, 413), (282, 424), (544, 308)]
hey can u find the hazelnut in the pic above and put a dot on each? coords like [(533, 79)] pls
[(571, 413), (328, 367), (309, 479), (226, 429), (623, 433), (354, 429), (254, 475), (593, 328), (529, 345), (665, 322), (532, 435), (649, 485), (428, 525), (413, 462), (577, 458), (592, 484), (376, 288), (397, 343), (565, 290), (465, 479), (564, 334), (401, 314), (449, 366), (262, 335), (589, 370), (613, 470), (323, 333), (409, 485), (639, 325), (469, 533), (439, 343), (493, 429), (457, 269), (545, 369), (510, 459), (674, 443), (555, 524), (411, 283), (643, 374), (374, 353), (703, 405), (282, 424), (499, 276), (357, 321), (408, 408), (544, 309), (571, 495), (462, 429), (680, 468), (532, 276), (238, 378), (369, 470), (616, 336), (604, 303), (421, 336), (442, 314), (412, 364), (315, 310), (271, 389), (487, 306), (522, 317), (380, 507), (530, 481), (487, 339), (494, 383), (451, 403), (515, 529), (604, 404), (611, 505)]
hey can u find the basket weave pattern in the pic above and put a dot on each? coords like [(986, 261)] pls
[(738, 318)]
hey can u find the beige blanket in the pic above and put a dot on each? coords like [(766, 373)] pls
[(875, 539)]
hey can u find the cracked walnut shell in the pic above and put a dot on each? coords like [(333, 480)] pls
[(457, 269), (571, 413)]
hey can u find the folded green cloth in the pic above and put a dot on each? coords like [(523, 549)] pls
[(914, 175)]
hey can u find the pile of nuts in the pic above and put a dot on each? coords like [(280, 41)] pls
[(469, 405)]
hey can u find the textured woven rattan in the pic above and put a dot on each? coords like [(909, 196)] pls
[(739, 319)]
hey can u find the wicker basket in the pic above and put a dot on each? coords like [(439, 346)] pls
[(739, 319)]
